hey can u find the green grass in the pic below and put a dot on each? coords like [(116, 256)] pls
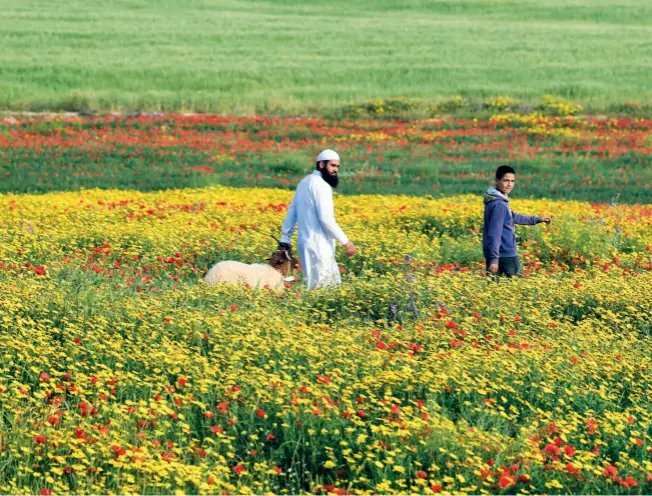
[(292, 56), (596, 162), (149, 170)]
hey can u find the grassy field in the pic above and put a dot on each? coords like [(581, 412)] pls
[(290, 56), (590, 160), (122, 373)]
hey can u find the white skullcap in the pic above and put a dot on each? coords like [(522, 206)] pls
[(327, 155)]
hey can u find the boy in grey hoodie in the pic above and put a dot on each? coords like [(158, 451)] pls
[(498, 236)]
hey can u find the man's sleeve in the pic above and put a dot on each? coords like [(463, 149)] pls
[(525, 220), (290, 221), (495, 232), (326, 214)]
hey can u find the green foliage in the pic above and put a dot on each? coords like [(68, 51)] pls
[(464, 250), (389, 108), (272, 57), (559, 106), (285, 163), (427, 158)]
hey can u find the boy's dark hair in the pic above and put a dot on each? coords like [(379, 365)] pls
[(502, 170)]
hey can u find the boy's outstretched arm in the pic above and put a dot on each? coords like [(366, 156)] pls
[(529, 220)]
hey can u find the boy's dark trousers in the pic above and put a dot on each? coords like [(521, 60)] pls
[(507, 266)]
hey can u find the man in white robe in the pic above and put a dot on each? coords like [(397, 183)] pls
[(312, 208)]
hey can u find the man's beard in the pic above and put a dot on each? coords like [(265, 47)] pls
[(331, 180)]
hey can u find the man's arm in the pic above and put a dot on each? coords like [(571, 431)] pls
[(495, 232), (290, 221), (326, 214)]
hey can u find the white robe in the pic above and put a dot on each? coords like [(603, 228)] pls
[(312, 208)]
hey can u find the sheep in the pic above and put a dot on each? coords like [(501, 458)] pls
[(274, 274)]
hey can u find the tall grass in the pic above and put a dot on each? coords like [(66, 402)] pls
[(288, 56)]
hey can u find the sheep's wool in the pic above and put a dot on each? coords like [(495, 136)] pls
[(233, 272)]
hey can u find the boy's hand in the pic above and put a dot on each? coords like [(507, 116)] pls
[(547, 220), (493, 268)]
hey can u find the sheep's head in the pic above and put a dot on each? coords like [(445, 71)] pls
[(283, 261)]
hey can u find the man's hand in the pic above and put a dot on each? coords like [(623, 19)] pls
[(547, 220), (350, 249), (284, 246), (493, 268)]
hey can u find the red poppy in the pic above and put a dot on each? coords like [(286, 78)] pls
[(552, 448), (591, 424), (506, 480), (630, 482), (610, 471)]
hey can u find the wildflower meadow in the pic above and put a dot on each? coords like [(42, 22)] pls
[(557, 154), (122, 372)]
